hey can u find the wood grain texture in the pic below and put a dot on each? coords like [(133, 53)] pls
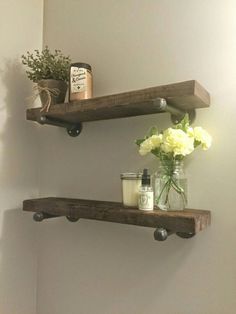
[(184, 95), (188, 221)]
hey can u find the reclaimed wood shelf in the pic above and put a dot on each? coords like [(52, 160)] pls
[(185, 223), (177, 98)]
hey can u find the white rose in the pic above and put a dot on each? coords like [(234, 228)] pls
[(190, 132), (149, 144), (178, 142), (156, 140), (203, 137)]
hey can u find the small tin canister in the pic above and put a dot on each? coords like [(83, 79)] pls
[(80, 82)]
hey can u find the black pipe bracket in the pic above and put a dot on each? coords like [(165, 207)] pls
[(176, 114), (161, 234), (73, 129), (40, 216)]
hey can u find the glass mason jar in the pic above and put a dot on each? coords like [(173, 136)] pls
[(131, 183), (170, 186)]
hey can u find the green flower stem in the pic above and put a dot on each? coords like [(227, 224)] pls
[(167, 192), (171, 183), (163, 189), (179, 190)]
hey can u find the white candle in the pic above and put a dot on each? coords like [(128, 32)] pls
[(131, 183)]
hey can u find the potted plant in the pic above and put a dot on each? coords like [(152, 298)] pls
[(50, 71)]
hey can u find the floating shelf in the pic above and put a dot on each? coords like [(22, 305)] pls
[(184, 223), (177, 98)]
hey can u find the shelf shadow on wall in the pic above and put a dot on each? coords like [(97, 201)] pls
[(108, 263), (17, 263), (18, 153), (17, 137)]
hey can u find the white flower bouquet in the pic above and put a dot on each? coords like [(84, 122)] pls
[(171, 146)]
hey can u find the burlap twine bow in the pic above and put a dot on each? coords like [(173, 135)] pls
[(49, 93)]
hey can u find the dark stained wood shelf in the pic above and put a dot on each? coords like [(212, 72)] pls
[(185, 223), (186, 96)]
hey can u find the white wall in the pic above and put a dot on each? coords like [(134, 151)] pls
[(20, 30), (97, 267)]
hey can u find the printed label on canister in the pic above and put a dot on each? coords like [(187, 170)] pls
[(78, 79)]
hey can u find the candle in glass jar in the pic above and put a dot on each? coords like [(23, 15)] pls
[(131, 182)]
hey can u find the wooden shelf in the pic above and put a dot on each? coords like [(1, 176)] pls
[(186, 96), (185, 223)]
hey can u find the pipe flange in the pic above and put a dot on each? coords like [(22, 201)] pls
[(72, 219), (176, 118), (75, 130), (185, 235), (161, 234)]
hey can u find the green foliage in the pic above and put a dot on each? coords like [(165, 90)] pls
[(139, 141), (152, 131), (183, 124), (46, 65)]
